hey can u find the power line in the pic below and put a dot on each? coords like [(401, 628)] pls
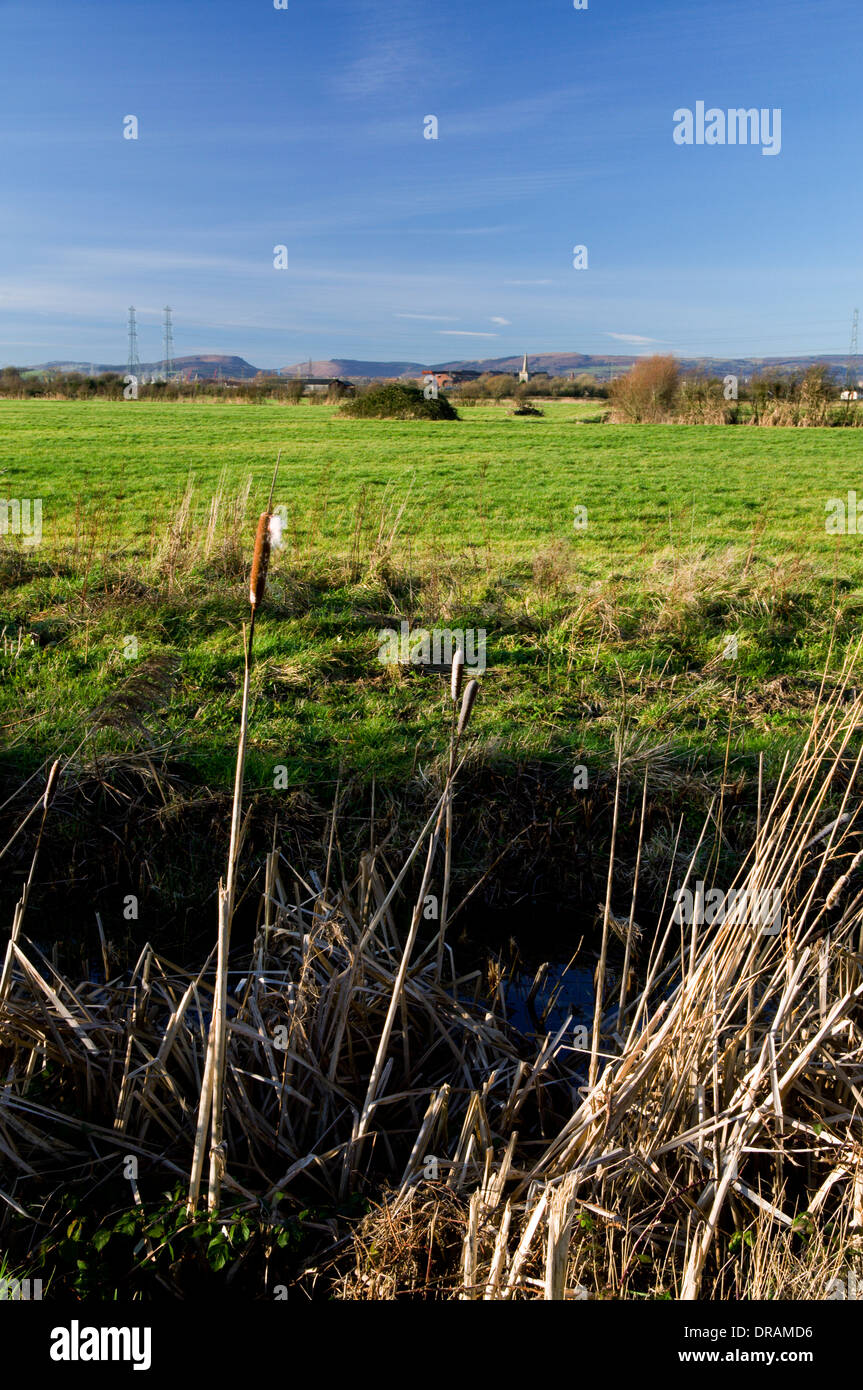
[(168, 353), (134, 359), (852, 354)]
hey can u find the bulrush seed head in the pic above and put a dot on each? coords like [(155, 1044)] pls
[(457, 673), (51, 784), (260, 561), (470, 694)]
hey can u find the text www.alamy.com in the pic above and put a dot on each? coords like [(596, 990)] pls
[(766, 1358)]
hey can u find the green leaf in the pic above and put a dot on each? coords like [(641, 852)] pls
[(100, 1240)]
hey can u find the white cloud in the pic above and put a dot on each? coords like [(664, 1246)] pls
[(435, 318), (632, 338), (496, 319), (463, 333)]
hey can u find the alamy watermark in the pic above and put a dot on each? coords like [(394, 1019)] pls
[(77, 1343), (737, 126), (761, 907), (843, 519), (22, 518), (841, 1289), (437, 647), (20, 1290)]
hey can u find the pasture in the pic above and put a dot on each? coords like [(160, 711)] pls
[(694, 536)]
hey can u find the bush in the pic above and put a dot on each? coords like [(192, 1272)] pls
[(648, 392), (793, 399), (397, 401), (702, 402)]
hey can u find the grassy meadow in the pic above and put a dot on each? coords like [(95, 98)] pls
[(122, 630), (694, 535)]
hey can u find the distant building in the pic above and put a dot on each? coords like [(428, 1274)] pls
[(313, 385), (445, 379), (526, 375)]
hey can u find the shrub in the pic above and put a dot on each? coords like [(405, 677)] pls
[(396, 400), (701, 401), (648, 392), (793, 400)]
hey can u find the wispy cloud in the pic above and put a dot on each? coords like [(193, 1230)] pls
[(387, 63), (463, 333), (504, 323), (516, 116), (634, 338), (436, 318), (131, 259)]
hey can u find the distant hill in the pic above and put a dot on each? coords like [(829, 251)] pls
[(558, 364), (351, 369), (555, 363), (562, 363), (206, 367), (210, 366)]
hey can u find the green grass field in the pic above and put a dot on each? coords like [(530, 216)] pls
[(694, 535)]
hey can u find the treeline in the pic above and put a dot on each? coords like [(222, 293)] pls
[(500, 388), (75, 386), (656, 391)]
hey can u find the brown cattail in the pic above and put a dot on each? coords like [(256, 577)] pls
[(470, 694), (839, 886), (260, 561), (457, 673), (51, 784)]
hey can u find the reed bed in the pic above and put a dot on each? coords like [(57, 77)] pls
[(727, 1095)]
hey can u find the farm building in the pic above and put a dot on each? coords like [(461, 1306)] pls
[(445, 379), (313, 385)]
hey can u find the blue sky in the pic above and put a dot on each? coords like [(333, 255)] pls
[(304, 127)]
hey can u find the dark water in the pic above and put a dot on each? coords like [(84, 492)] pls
[(562, 993)]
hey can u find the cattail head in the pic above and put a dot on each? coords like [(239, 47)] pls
[(457, 673), (470, 693), (260, 560), (51, 784)]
